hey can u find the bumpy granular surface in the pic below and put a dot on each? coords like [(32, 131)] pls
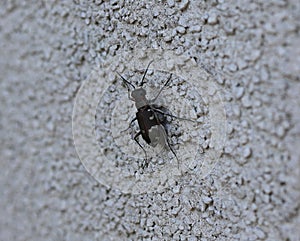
[(236, 69)]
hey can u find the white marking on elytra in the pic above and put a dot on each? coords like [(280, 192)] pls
[(158, 135)]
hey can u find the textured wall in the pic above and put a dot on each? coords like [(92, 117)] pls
[(48, 49)]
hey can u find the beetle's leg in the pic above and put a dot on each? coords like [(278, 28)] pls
[(173, 116), (130, 125), (166, 83), (169, 145), (136, 140)]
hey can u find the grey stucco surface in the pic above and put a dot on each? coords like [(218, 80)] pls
[(48, 49)]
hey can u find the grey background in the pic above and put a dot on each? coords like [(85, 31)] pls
[(47, 50)]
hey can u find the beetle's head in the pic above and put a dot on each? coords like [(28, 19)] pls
[(138, 94), (139, 97)]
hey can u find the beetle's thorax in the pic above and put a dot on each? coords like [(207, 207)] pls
[(139, 97)]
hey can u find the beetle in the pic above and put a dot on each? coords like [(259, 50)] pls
[(151, 118)]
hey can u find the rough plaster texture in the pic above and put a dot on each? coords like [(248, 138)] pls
[(48, 48)]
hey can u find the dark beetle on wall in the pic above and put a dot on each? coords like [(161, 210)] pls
[(151, 118)]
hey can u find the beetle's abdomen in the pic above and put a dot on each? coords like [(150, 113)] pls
[(146, 119)]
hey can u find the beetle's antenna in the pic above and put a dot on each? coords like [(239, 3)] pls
[(126, 82), (142, 83), (166, 83)]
